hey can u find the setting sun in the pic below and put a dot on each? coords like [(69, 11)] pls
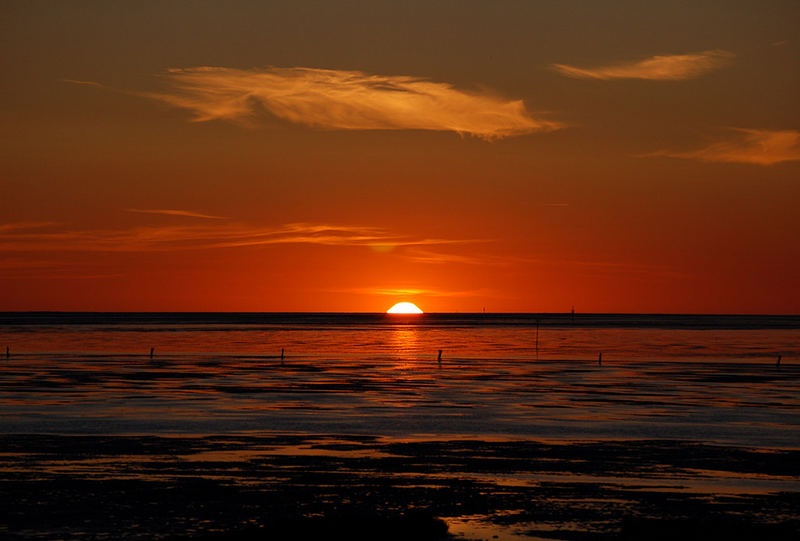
[(404, 308)]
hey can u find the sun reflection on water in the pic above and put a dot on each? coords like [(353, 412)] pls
[(404, 344)]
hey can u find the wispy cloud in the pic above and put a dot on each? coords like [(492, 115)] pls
[(420, 255), (23, 268), (759, 147), (614, 267), (656, 68), (16, 263), (346, 100), (16, 226), (202, 237), (84, 83), (172, 212), (413, 292)]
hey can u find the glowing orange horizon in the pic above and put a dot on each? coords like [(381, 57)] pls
[(404, 308)]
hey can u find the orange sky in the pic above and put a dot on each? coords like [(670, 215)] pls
[(518, 156)]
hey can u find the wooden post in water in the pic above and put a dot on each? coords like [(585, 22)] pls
[(778, 362), (537, 339), (151, 352), (8, 353), (281, 356), (440, 357), (600, 359)]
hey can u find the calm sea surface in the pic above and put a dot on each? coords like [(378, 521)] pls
[(698, 378)]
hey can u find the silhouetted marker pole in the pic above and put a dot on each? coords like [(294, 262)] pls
[(778, 362), (281, 355), (8, 353), (600, 359), (537, 339), (440, 357)]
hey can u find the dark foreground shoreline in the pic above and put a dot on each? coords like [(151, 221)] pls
[(360, 487)]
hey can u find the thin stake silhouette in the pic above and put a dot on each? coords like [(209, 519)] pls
[(151, 352), (778, 362), (8, 353), (600, 359), (281, 356), (537, 339), (440, 357)]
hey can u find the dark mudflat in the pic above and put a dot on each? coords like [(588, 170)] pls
[(359, 487)]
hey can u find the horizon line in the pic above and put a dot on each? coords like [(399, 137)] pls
[(2, 312)]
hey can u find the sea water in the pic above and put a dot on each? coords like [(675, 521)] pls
[(541, 376)]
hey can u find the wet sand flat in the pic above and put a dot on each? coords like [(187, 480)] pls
[(77, 487)]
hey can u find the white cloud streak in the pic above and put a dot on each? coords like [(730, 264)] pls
[(674, 67), (756, 147), (346, 100)]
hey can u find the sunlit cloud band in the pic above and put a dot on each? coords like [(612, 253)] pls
[(413, 292), (29, 237), (346, 100), (657, 68), (759, 147), (174, 212)]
